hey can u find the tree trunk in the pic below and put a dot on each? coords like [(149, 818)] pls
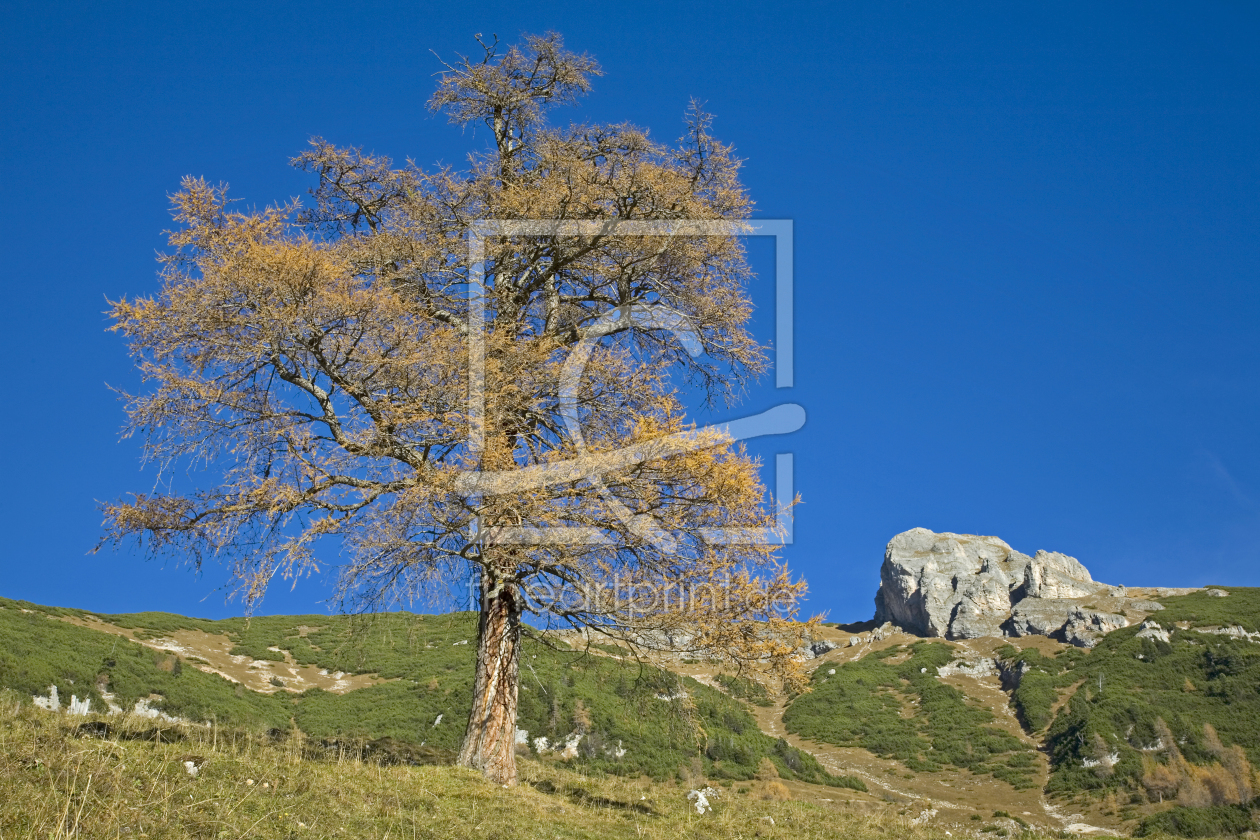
[(490, 740)]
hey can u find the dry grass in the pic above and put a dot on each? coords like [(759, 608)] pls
[(56, 783)]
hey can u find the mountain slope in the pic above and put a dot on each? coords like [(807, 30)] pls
[(1054, 734), (1161, 712), (411, 682)]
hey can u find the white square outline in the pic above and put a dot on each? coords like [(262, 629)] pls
[(780, 229)]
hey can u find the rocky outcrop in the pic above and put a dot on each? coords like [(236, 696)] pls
[(817, 647), (812, 646), (1085, 627), (961, 586), (986, 667), (1151, 630), (948, 585), (1234, 632), (1011, 672), (53, 703), (878, 634), (1038, 617)]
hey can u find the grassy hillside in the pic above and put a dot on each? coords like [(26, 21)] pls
[(37, 650), (631, 720), (1128, 684), (1149, 736), (1107, 737), (57, 781), (892, 703), (1134, 726)]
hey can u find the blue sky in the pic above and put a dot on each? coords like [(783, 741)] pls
[(1027, 262)]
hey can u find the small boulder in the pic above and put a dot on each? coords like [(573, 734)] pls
[(700, 798), (821, 646), (1151, 630), (1085, 627)]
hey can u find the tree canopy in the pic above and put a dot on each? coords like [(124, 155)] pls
[(355, 375)]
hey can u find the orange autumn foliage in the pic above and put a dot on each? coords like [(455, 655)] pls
[(319, 360)]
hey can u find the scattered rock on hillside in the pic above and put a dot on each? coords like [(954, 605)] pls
[(975, 668), (1234, 631), (53, 703), (961, 586), (813, 648), (1084, 627), (1151, 630), (700, 798)]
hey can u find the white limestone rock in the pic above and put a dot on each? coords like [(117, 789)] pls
[(1039, 617), (977, 668), (928, 580), (700, 799), (1063, 619), (814, 648), (144, 708), (963, 586), (1151, 630), (1053, 575), (883, 631), (1085, 627), (570, 748), (819, 647), (52, 702), (1235, 631)]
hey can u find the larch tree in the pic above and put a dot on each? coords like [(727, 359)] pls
[(358, 380)]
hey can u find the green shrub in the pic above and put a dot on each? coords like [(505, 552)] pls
[(1036, 693), (745, 689), (1213, 821)]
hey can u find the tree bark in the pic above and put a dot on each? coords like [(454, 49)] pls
[(490, 740)]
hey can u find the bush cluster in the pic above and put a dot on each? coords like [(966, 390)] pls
[(1212, 821), (745, 689), (1126, 685), (862, 703)]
